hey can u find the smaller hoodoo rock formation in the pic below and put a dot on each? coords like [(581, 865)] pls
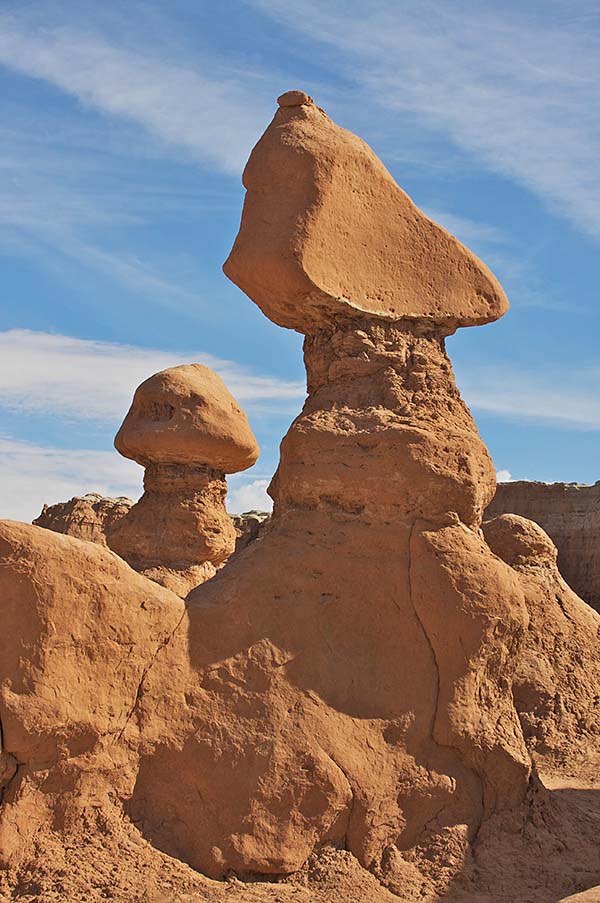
[(187, 430)]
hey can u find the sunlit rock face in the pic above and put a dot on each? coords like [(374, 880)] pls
[(188, 431)]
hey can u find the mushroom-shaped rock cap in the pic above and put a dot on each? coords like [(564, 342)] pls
[(326, 231), (187, 415)]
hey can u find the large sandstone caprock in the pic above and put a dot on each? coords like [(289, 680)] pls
[(346, 681), (188, 431), (327, 233)]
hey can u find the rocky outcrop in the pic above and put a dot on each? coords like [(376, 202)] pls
[(249, 526), (187, 430), (87, 517), (570, 515), (556, 682), (347, 680)]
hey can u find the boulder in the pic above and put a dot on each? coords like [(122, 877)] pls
[(327, 233)]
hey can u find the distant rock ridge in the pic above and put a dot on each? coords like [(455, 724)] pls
[(570, 515), (88, 517)]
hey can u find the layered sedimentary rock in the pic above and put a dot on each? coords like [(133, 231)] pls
[(87, 517), (570, 514), (188, 431), (348, 679)]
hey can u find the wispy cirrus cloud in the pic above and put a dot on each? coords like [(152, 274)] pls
[(515, 86), (78, 379), (215, 119), (533, 396), (72, 176)]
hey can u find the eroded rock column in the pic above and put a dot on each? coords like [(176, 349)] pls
[(188, 431)]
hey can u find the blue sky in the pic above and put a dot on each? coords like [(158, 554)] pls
[(125, 127)]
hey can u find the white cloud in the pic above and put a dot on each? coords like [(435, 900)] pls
[(518, 87), (216, 119), (248, 496), (91, 380), (33, 475), (504, 476)]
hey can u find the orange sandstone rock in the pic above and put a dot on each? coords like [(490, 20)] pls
[(556, 682), (186, 415), (327, 233), (354, 660), (570, 514), (188, 431)]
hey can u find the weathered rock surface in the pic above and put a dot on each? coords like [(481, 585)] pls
[(347, 680), (327, 233), (556, 683), (187, 415), (86, 517), (570, 515), (187, 430), (79, 630)]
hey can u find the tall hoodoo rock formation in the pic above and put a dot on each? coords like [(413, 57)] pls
[(187, 430), (346, 679), (358, 657)]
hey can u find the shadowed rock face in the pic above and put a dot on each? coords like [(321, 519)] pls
[(187, 430), (570, 514), (348, 678)]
